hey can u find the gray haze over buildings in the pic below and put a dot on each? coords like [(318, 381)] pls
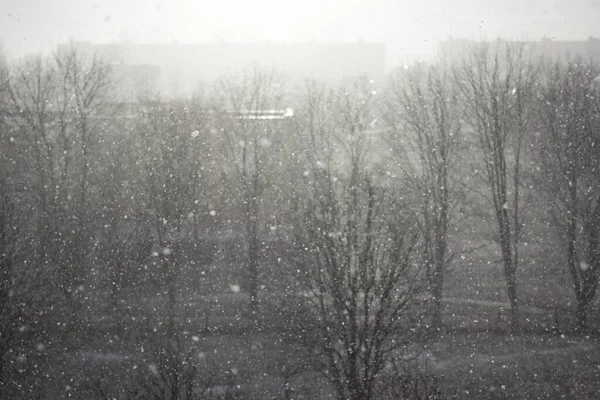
[(409, 29), (180, 69), (177, 69), (179, 45)]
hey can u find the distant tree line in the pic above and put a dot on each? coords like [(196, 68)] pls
[(370, 190)]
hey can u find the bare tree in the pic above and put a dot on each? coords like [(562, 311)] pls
[(82, 94), (12, 223), (31, 89), (497, 85), (177, 370), (173, 369), (568, 115), (39, 161), (123, 240), (423, 116), (250, 146), (354, 247), (57, 105), (170, 134)]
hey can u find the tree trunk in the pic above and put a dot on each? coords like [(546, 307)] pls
[(589, 276), (511, 284), (436, 300), (582, 308), (6, 321), (253, 253), (509, 268), (440, 263), (169, 272), (253, 275)]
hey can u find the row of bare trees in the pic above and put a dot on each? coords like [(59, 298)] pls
[(531, 126), (567, 142), (49, 139), (373, 182)]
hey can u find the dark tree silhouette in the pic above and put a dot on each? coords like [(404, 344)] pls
[(569, 106), (497, 85)]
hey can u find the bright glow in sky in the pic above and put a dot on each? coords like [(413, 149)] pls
[(407, 27)]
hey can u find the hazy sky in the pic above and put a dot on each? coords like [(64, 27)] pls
[(407, 27)]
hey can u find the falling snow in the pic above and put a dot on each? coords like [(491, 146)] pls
[(429, 232)]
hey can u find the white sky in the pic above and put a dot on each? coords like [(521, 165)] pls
[(407, 27)]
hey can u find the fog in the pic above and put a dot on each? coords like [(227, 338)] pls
[(299, 200), (409, 29)]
